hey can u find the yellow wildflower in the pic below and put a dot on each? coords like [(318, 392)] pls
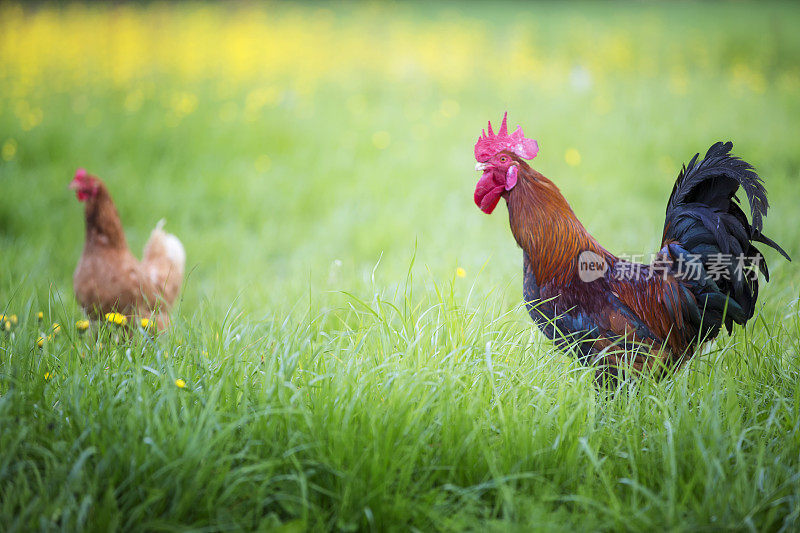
[(180, 383), (117, 318), (10, 319), (573, 157), (40, 342), (82, 325), (7, 325), (461, 273), (8, 150), (47, 376), (145, 323), (56, 328), (40, 316)]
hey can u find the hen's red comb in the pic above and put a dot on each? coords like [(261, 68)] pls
[(490, 144)]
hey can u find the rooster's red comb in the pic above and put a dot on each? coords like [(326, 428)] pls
[(490, 144)]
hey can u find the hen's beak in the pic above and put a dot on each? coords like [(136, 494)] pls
[(74, 185), (480, 166)]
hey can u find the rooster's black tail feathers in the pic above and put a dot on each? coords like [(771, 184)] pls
[(706, 223)]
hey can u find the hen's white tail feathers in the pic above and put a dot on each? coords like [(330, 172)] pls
[(164, 260)]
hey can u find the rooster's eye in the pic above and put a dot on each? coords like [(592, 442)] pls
[(503, 159)]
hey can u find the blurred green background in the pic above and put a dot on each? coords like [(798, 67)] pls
[(290, 146), (303, 151)]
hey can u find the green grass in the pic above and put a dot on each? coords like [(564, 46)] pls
[(339, 375)]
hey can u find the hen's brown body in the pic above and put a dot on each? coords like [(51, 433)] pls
[(109, 278)]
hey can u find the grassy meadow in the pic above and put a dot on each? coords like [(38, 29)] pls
[(350, 350)]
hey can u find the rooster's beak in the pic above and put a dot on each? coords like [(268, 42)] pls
[(74, 185), (480, 166)]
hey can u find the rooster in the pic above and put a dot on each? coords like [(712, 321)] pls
[(108, 278), (619, 314)]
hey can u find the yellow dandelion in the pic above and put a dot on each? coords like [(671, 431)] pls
[(7, 325), (56, 328), (145, 323), (461, 273), (47, 376), (117, 319), (180, 383), (9, 150), (82, 325), (573, 157), (39, 316), (40, 342), (14, 320)]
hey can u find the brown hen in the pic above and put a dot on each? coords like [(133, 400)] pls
[(108, 277)]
